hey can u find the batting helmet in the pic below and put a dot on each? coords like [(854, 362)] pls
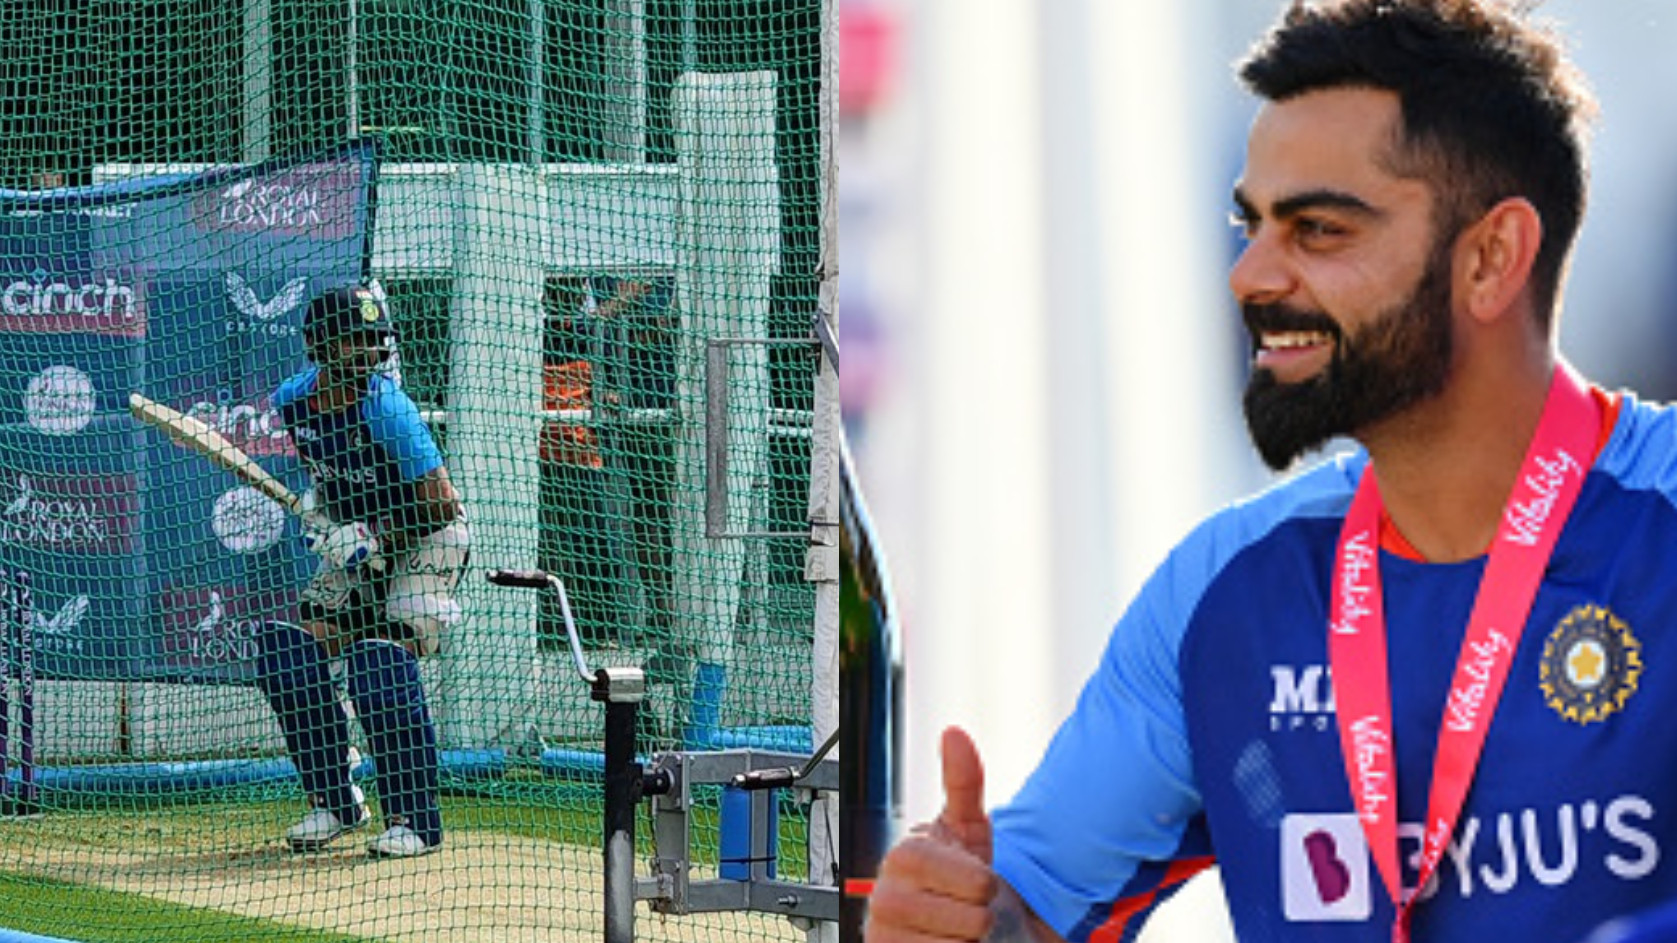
[(347, 311)]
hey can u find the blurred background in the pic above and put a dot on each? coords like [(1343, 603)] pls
[(1043, 364)]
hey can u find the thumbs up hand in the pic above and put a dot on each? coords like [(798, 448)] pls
[(936, 884), (963, 818)]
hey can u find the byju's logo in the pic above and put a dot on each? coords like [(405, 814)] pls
[(1302, 698), (1324, 869)]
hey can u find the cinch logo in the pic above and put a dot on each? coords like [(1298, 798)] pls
[(252, 315), (1326, 867), (90, 515), (45, 301), (314, 200), (1303, 698), (253, 428)]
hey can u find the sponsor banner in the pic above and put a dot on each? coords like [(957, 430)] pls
[(214, 527), (88, 621), (313, 201), (192, 289), (209, 632), (62, 385), (111, 302), (72, 515), (253, 426), (74, 494)]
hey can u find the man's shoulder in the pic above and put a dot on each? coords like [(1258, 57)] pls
[(1641, 452), (296, 387), (1307, 505), (1318, 492), (385, 399)]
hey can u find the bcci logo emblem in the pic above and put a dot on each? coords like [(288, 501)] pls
[(1591, 664), (370, 312)]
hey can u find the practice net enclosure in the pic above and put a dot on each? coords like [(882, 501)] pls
[(597, 229)]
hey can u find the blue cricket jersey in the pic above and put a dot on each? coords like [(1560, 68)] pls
[(364, 460), (1207, 731)]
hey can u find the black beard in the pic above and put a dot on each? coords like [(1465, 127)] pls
[(1401, 358)]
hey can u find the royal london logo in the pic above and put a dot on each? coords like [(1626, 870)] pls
[(317, 201), (1591, 665)]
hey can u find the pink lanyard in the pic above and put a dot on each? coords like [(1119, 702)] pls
[(1560, 455)]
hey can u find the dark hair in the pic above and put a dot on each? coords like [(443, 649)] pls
[(1491, 107)]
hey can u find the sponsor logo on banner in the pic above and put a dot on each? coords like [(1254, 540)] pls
[(59, 400), (252, 314), (77, 515), (55, 631), (110, 303), (247, 521), (317, 201), (1591, 665), (107, 211), (254, 428), (209, 627)]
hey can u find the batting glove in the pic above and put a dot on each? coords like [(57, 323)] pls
[(346, 546)]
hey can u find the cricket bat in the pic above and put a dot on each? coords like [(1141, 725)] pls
[(194, 434)]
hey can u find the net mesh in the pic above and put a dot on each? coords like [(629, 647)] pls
[(596, 227)]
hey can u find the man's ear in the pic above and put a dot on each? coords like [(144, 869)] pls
[(1494, 258)]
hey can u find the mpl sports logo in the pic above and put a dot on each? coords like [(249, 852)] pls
[(110, 303), (77, 515), (1301, 699), (317, 201)]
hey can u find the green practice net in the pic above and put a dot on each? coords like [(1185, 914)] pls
[(596, 226)]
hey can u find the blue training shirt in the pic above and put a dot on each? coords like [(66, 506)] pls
[(1207, 731), (364, 460)]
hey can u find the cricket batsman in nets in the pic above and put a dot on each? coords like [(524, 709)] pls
[(391, 537)]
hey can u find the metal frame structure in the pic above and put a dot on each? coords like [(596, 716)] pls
[(668, 781)]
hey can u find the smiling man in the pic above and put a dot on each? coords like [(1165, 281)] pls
[(1417, 691)]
